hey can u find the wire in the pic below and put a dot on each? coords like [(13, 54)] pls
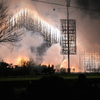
[(70, 6), (49, 3), (86, 9)]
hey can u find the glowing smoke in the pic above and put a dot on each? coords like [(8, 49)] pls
[(23, 48), (53, 55), (88, 34), (32, 40)]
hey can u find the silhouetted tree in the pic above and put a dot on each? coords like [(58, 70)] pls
[(48, 70), (3, 68), (63, 70), (7, 33), (3, 65)]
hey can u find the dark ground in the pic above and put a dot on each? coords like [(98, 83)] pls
[(52, 86)]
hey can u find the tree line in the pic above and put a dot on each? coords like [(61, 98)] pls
[(26, 69)]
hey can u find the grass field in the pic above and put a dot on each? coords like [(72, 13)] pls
[(37, 77)]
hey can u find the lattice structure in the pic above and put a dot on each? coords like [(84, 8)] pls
[(72, 36), (90, 62), (32, 22)]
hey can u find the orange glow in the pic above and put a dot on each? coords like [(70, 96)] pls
[(73, 68), (19, 60), (22, 61), (46, 64)]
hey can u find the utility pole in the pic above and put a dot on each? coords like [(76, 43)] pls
[(68, 5)]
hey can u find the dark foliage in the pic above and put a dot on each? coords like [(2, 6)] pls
[(26, 69)]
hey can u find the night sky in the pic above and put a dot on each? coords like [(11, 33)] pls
[(87, 20)]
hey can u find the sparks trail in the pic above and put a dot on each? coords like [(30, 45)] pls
[(32, 22)]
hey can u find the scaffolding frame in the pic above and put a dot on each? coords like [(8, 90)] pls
[(72, 36), (90, 62)]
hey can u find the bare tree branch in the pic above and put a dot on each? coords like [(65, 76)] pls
[(8, 34)]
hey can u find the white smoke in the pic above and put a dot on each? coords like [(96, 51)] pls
[(51, 16), (53, 55), (23, 48)]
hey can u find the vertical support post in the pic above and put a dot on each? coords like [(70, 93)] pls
[(68, 5)]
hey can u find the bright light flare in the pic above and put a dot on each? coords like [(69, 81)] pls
[(22, 61), (73, 69), (64, 64)]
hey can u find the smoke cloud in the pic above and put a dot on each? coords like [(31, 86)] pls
[(23, 48), (87, 28), (53, 55), (27, 49)]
